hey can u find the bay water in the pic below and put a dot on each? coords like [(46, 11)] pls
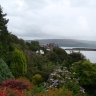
[(90, 55)]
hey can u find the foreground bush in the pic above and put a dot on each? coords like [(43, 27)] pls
[(60, 92), (20, 87), (37, 79), (62, 77), (5, 72), (86, 72), (17, 88), (6, 91), (25, 80), (18, 64), (15, 84)]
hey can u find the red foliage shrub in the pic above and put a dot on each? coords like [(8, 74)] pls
[(2, 94), (15, 84), (6, 91), (24, 79)]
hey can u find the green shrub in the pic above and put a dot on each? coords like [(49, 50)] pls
[(18, 64), (37, 79), (39, 89), (5, 72)]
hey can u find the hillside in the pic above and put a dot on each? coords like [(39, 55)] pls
[(67, 42)]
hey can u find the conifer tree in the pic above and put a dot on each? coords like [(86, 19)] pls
[(5, 38), (5, 72), (18, 64)]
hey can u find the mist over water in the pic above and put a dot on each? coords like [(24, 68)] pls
[(90, 55)]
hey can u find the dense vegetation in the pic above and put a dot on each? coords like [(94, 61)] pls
[(23, 72)]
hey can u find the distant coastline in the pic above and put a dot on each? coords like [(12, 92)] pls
[(67, 43), (81, 49)]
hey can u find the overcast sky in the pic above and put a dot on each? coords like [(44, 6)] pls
[(61, 19)]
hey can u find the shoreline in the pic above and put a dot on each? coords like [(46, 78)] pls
[(82, 49)]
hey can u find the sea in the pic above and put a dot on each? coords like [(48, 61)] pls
[(90, 55)]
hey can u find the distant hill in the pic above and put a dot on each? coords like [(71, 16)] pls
[(67, 42)]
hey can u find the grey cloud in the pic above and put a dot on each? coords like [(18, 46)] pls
[(51, 18), (36, 4), (83, 3)]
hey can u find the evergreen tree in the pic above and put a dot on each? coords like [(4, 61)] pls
[(4, 72), (18, 64), (5, 37), (61, 53)]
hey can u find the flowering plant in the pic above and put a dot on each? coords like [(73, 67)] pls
[(63, 77)]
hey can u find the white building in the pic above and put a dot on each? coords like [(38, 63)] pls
[(40, 51)]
